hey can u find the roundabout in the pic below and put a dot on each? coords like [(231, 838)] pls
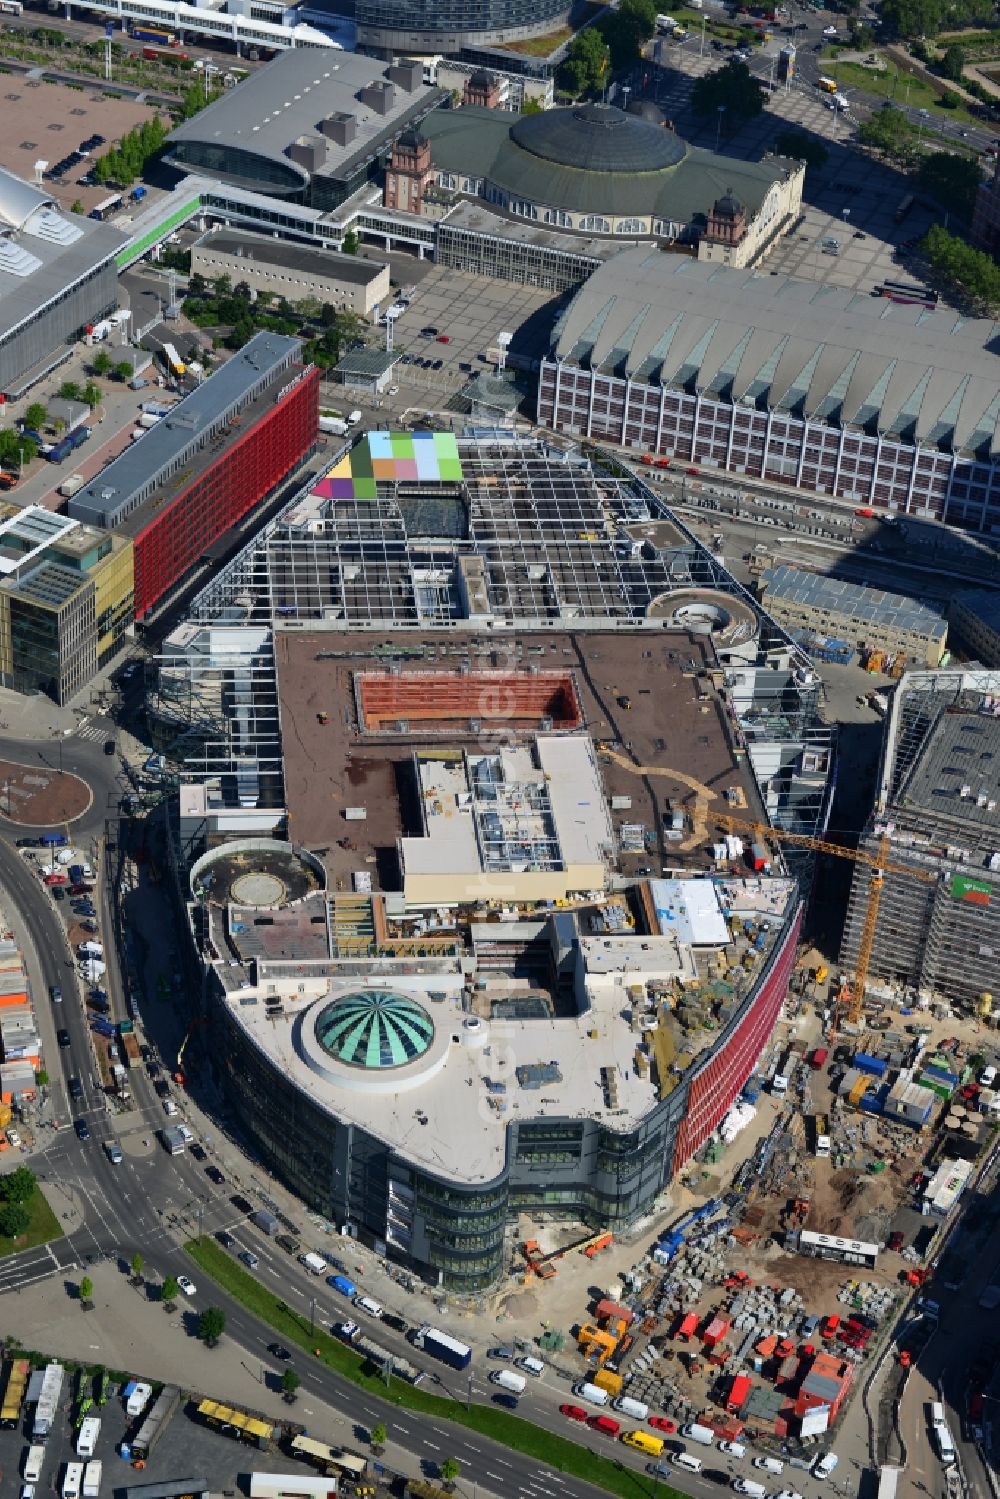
[(36, 796)]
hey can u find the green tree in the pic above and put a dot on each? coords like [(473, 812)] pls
[(949, 99), (969, 273), (16, 448), (240, 333), (450, 1470), (531, 106), (18, 1186), (92, 394), (290, 1382), (170, 1290), (211, 1325), (587, 62), (137, 1264), (953, 62), (912, 17), (953, 180), (890, 132), (801, 147), (349, 244), (86, 1290), (76, 206), (42, 1078), (123, 370), (69, 390), (36, 416), (102, 363), (732, 88), (378, 1436), (14, 1220), (626, 29)]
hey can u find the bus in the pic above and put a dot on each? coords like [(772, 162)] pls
[(242, 1425), (901, 291), (107, 207), (11, 7), (328, 1459), (903, 207), (14, 1392), (156, 34), (827, 85)]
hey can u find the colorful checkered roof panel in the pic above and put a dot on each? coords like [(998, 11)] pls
[(389, 458)]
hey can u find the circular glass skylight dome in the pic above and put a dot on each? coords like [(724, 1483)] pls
[(374, 1029)]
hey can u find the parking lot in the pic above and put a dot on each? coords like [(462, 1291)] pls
[(467, 314), (186, 1449), (852, 198), (43, 121)]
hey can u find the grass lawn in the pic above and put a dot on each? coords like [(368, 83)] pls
[(44, 1226), (511, 1431), (540, 46), (892, 84)]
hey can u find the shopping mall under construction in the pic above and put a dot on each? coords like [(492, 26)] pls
[(461, 738)]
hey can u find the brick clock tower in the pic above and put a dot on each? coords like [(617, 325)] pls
[(409, 172)]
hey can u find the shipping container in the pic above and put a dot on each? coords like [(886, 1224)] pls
[(448, 1349)]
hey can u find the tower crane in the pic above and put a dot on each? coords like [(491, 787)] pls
[(852, 991)]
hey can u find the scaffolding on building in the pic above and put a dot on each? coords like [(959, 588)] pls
[(535, 535), (938, 797)]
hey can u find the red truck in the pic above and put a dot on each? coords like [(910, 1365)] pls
[(818, 1058)]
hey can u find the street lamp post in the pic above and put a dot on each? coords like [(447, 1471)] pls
[(718, 126), (701, 50)]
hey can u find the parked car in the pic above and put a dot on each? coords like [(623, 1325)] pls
[(214, 1175)]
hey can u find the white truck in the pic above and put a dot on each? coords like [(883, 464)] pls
[(334, 425), (71, 485), (91, 1481)]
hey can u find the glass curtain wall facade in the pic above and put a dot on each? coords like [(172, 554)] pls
[(448, 25)]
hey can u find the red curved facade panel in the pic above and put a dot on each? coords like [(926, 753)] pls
[(718, 1084)]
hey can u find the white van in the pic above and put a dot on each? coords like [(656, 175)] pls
[(532, 1366), (945, 1444), (366, 1304), (703, 1434), (630, 1407), (314, 1263), (748, 1487), (686, 1460), (353, 418), (769, 1464), (138, 1399), (33, 1464), (508, 1380), (592, 1393)]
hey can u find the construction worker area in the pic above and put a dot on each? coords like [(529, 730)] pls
[(817, 1212)]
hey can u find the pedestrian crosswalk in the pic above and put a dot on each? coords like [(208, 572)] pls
[(96, 732)]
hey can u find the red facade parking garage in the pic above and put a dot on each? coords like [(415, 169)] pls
[(217, 455)]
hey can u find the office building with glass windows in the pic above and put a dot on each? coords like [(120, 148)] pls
[(429, 26), (424, 1113), (65, 601)]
